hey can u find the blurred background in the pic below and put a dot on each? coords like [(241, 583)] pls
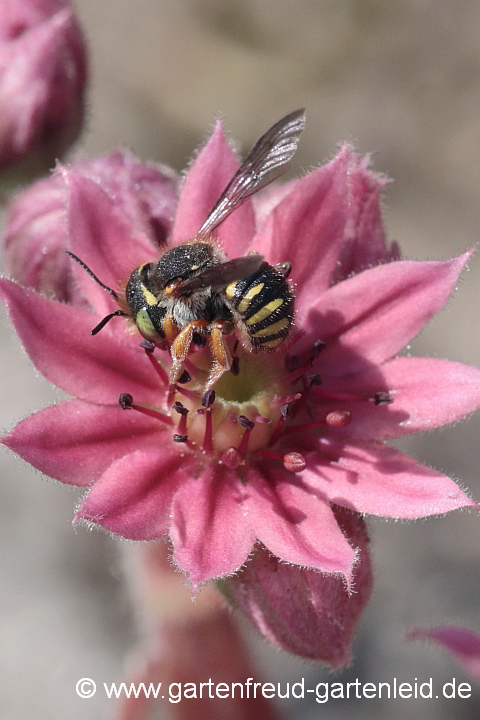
[(398, 79)]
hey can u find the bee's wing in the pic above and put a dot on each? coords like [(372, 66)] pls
[(222, 275), (267, 160)]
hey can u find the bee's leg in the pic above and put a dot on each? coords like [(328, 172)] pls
[(181, 346), (222, 360)]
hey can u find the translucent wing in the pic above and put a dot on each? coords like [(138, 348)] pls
[(269, 158), (222, 275)]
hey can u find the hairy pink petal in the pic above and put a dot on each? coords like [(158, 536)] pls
[(102, 237), (377, 479), (301, 527), (210, 533), (303, 611), (58, 339), (75, 442), (462, 643), (427, 393), (368, 318), (307, 228), (209, 175), (134, 496)]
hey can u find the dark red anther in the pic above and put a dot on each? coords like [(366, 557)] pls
[(148, 346), (294, 462), (179, 408), (382, 398), (314, 380), (208, 398), (126, 401), (318, 347), (245, 422), (180, 438)]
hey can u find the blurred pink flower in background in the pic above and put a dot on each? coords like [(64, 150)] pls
[(289, 449), (43, 73), (462, 643)]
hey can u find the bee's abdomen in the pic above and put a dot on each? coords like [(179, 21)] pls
[(264, 303)]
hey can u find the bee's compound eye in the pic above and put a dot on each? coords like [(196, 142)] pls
[(145, 325)]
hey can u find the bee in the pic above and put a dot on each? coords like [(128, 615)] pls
[(193, 290)]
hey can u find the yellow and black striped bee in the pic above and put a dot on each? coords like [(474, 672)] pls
[(193, 290)]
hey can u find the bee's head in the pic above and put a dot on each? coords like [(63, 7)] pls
[(142, 303)]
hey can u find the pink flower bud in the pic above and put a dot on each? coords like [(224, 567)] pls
[(42, 79), (37, 232), (302, 611)]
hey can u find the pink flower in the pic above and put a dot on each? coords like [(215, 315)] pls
[(42, 78), (289, 432), (36, 233), (463, 644)]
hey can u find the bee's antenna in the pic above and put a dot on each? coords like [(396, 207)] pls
[(106, 319), (99, 282)]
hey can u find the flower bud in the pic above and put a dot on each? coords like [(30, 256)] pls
[(302, 611), (43, 72), (36, 236)]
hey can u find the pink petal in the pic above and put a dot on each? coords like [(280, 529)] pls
[(463, 644), (209, 175), (58, 339), (133, 497), (371, 316), (209, 530), (303, 611), (101, 236), (307, 228), (295, 523), (75, 442), (427, 393), (377, 479)]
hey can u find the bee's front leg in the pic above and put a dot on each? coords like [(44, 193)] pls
[(181, 346), (222, 360)]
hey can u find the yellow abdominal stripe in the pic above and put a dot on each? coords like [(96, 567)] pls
[(272, 329), (265, 311), (245, 302)]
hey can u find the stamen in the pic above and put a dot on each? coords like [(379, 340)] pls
[(248, 425), (190, 394), (279, 426), (382, 398), (208, 398), (286, 399), (180, 438), (162, 374), (294, 462), (336, 418), (183, 412), (208, 437), (126, 402), (296, 364)]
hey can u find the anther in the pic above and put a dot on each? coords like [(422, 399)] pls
[(314, 380), (148, 346), (183, 412), (382, 398), (180, 438), (126, 401), (245, 422), (184, 378), (235, 367), (208, 398), (179, 408), (199, 340), (318, 347), (294, 462)]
